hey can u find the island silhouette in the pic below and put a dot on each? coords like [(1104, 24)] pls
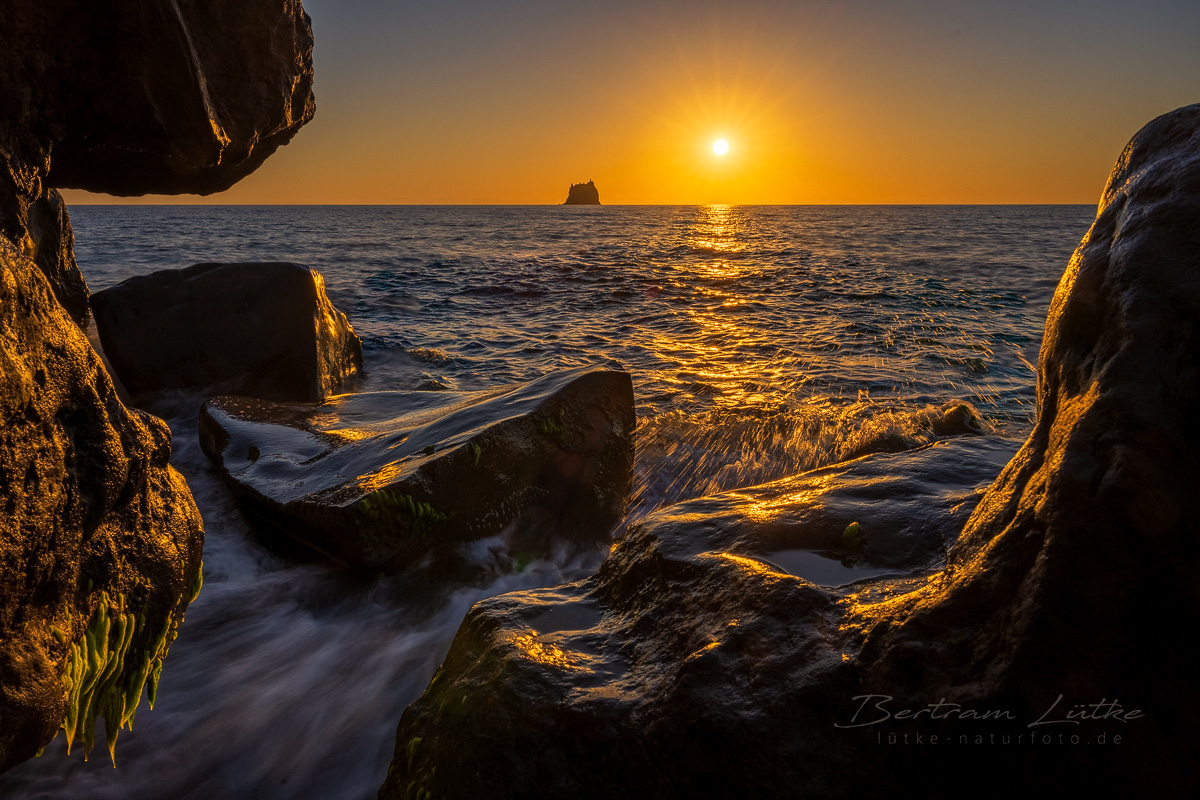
[(583, 194)]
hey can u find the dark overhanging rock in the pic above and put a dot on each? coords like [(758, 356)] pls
[(680, 671), (384, 480), (98, 532), (265, 330), (139, 96)]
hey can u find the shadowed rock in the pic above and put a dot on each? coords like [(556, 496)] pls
[(686, 668), (263, 330), (383, 479), (140, 96), (582, 194), (51, 244), (97, 532)]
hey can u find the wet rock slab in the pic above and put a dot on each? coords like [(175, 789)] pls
[(383, 480), (259, 329), (691, 666)]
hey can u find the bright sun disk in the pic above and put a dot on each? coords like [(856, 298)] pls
[(720, 147)]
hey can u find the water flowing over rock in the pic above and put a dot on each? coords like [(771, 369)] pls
[(385, 479), (100, 542), (1038, 656), (582, 194), (265, 330)]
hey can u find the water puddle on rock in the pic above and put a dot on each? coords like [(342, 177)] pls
[(818, 569)]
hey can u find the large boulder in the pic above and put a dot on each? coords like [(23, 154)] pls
[(264, 330), (100, 540), (384, 479), (139, 96), (1049, 651)]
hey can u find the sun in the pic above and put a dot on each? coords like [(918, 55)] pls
[(720, 147)]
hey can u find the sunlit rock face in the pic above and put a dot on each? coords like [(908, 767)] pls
[(694, 665), (98, 535), (265, 330), (583, 194), (384, 480)]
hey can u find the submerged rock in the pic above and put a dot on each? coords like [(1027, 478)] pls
[(1036, 656), (100, 540), (383, 479), (258, 329), (582, 194)]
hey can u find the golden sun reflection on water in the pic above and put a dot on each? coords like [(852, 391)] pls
[(718, 232), (722, 355)]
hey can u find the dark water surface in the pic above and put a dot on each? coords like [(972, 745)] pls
[(762, 341)]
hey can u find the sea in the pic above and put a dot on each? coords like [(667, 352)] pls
[(762, 341)]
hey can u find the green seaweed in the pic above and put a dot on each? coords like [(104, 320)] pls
[(414, 744), (196, 584), (476, 451), (391, 511), (104, 677), (555, 428), (852, 543)]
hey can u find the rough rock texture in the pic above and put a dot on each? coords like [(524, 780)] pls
[(259, 329), (1065, 601), (582, 194), (138, 96), (92, 518), (383, 479)]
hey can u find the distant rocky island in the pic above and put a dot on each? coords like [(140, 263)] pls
[(583, 194)]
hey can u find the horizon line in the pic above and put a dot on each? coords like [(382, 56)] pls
[(562, 205)]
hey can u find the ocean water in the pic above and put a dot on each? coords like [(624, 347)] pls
[(762, 341)]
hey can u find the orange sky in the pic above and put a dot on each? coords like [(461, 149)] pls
[(821, 102)]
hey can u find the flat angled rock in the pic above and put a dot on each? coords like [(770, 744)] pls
[(259, 329), (381, 479)]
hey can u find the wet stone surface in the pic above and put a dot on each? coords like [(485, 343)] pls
[(383, 480)]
